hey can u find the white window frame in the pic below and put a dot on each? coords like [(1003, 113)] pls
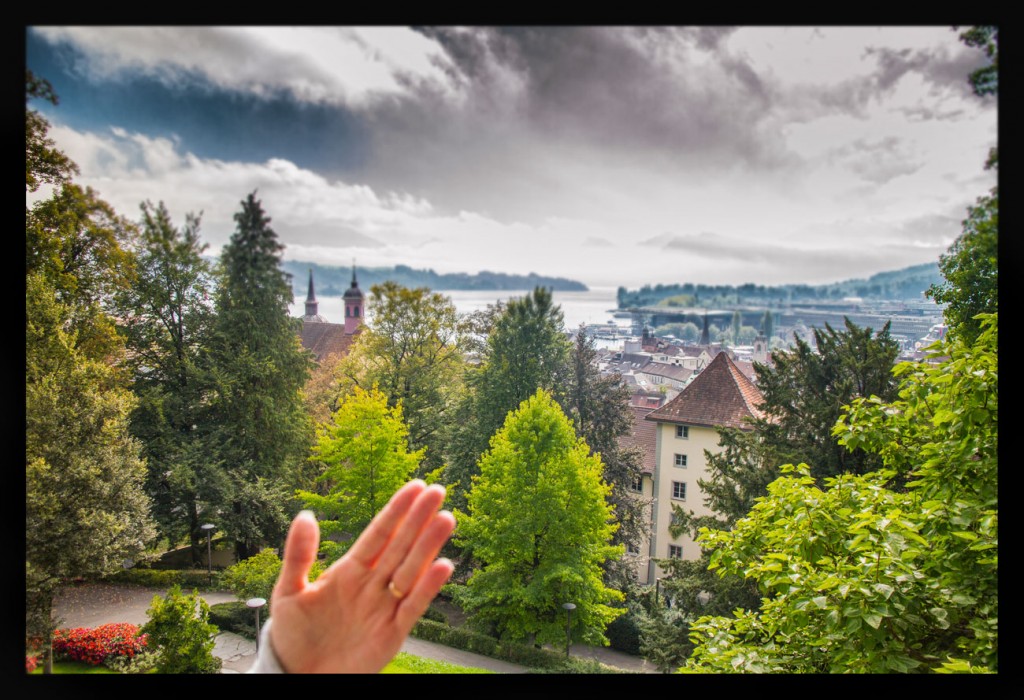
[(676, 460), (683, 432), (638, 482), (676, 490)]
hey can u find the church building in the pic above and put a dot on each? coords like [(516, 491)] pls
[(323, 338)]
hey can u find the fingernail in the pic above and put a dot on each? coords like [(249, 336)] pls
[(306, 514)]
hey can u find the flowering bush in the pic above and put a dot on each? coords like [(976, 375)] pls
[(31, 662), (93, 646)]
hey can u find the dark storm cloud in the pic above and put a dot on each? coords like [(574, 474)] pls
[(621, 88)]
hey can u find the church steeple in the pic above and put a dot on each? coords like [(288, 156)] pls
[(353, 304), (311, 303), (705, 336)]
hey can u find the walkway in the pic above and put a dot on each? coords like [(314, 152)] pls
[(91, 605)]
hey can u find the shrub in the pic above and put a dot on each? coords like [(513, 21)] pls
[(255, 577), (432, 613), (164, 578), (31, 662), (143, 662), (94, 646), (180, 630), (624, 634), (234, 617)]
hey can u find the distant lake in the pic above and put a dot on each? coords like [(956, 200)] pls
[(594, 306)]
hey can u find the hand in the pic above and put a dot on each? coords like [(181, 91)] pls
[(356, 615)]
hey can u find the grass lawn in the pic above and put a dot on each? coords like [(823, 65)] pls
[(407, 663)]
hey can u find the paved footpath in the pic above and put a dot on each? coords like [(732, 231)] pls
[(90, 605)]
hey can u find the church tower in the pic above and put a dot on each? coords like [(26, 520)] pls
[(312, 305), (353, 305)]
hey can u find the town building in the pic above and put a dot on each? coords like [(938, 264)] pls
[(719, 396), (323, 338)]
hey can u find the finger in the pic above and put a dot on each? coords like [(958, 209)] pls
[(426, 589), (378, 533), (429, 542), (422, 511), (299, 554)]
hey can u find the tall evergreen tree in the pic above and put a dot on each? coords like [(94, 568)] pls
[(259, 427), (526, 349), (167, 321), (539, 523), (599, 409)]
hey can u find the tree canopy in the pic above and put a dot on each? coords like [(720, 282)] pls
[(539, 523), (858, 577)]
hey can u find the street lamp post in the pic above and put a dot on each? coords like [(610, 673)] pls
[(569, 607), (256, 604), (208, 527)]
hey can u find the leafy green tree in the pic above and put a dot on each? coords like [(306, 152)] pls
[(858, 577), (258, 424), (256, 576), (44, 163), (805, 390), (526, 350), (85, 507), (413, 352), (365, 450), (167, 323), (599, 409), (540, 525), (179, 627), (971, 269)]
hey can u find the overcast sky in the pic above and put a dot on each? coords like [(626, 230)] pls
[(610, 155)]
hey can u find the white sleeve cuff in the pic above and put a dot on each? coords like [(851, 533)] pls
[(266, 659)]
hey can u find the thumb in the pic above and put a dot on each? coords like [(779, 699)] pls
[(299, 554)]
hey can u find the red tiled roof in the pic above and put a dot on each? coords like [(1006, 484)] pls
[(323, 339), (643, 436), (720, 396)]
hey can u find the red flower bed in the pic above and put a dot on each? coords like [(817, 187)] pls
[(94, 645)]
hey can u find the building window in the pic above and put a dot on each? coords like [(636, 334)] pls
[(683, 432), (355, 311), (638, 484), (680, 460), (675, 551), (632, 548), (679, 490)]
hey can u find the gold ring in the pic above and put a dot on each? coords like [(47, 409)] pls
[(394, 590)]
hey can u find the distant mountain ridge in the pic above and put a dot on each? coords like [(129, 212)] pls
[(909, 283), (334, 280)]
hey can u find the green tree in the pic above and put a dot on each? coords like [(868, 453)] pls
[(971, 265), (413, 352), (526, 349), (804, 391), (167, 321), (44, 163), (540, 525), (179, 627), (858, 577), (599, 409), (85, 507), (971, 269), (259, 428), (365, 450)]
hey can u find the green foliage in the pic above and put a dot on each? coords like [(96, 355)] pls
[(525, 350), (413, 352), (971, 270), (985, 80), (162, 578), (234, 617), (539, 524), (805, 390), (253, 577), (599, 409), (258, 431), (858, 577), (365, 452), (43, 162), (166, 321), (180, 630), (624, 633)]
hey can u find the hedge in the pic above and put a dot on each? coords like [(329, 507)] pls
[(165, 578)]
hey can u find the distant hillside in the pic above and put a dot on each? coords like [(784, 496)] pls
[(898, 285), (333, 280)]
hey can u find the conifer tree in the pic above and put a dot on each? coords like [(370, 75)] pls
[(260, 431)]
